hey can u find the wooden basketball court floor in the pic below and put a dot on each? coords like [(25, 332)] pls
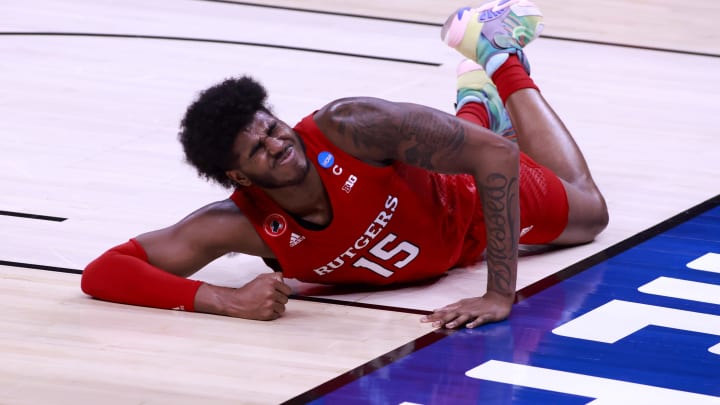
[(92, 92)]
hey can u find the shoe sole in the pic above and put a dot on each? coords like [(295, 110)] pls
[(453, 30)]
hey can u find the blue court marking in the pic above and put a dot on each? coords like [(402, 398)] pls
[(652, 358)]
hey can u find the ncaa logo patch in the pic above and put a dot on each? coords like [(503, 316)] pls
[(326, 159), (275, 225)]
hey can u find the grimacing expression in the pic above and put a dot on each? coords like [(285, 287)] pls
[(270, 154)]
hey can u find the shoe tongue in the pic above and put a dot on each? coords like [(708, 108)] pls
[(494, 62)]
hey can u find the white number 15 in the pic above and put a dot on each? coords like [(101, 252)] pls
[(379, 251)]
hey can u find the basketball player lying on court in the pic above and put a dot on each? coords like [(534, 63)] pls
[(368, 191)]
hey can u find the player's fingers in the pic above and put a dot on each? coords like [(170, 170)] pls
[(459, 321), (283, 288), (435, 316), (280, 297), (444, 317), (278, 309), (268, 276), (481, 319), (268, 314)]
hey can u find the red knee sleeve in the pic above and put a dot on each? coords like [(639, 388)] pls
[(123, 275)]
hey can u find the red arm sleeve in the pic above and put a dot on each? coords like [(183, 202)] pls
[(123, 275)]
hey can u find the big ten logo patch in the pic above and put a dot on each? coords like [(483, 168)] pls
[(349, 183)]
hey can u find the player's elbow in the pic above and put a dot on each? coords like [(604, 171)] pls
[(500, 156), (92, 278)]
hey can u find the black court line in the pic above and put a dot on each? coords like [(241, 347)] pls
[(360, 304), (641, 47), (217, 41), (368, 17), (39, 267), (296, 297), (523, 294), (32, 216), (323, 12)]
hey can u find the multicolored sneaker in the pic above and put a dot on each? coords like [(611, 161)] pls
[(489, 33), (474, 85)]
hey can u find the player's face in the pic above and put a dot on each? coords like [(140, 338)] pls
[(269, 154)]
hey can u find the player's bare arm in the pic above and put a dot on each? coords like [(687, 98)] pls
[(205, 235), (379, 132)]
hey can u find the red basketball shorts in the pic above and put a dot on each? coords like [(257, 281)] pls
[(543, 211)]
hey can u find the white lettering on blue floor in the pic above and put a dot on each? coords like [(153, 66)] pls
[(604, 390), (615, 320)]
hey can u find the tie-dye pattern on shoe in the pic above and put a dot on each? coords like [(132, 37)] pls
[(474, 85), (497, 28)]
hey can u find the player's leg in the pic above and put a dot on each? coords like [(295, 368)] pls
[(494, 35), (543, 197), (544, 137)]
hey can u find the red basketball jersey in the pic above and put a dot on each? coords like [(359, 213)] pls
[(391, 224)]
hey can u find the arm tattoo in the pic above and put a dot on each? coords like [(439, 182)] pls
[(416, 135), (430, 135), (497, 200), (353, 122)]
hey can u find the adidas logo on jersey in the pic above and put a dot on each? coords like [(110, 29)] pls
[(526, 230), (295, 239)]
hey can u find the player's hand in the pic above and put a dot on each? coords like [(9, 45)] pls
[(472, 312), (263, 298)]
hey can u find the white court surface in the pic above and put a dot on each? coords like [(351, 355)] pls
[(88, 124), (58, 347)]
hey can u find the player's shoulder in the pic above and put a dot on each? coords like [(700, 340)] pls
[(221, 207), (224, 225), (343, 108), (223, 214), (363, 127)]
